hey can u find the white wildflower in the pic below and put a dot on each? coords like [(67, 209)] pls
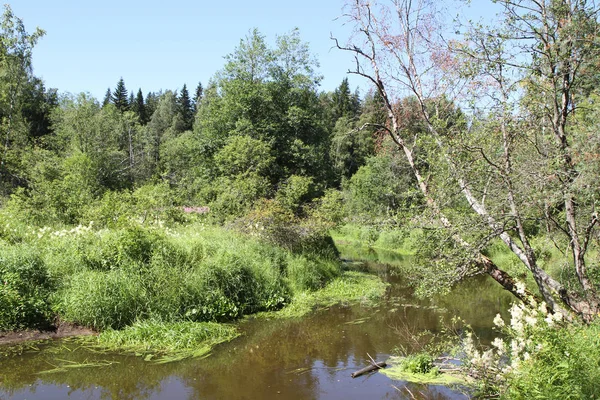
[(499, 345), (498, 321), (557, 316), (520, 286), (531, 320)]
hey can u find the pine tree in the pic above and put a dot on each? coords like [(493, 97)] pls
[(131, 99), (119, 96), (107, 97), (184, 105), (139, 108)]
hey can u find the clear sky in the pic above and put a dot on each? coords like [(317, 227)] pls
[(162, 44)]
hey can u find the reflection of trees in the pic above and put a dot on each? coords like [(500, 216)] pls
[(124, 377)]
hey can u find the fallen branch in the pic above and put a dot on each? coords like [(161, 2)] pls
[(372, 367)]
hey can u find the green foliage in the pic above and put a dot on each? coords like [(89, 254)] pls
[(25, 285), (420, 363), (101, 300), (242, 156), (295, 191), (380, 188), (350, 287)]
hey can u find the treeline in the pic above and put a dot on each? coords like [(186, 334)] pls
[(261, 129)]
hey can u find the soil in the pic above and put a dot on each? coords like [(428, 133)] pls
[(63, 330)]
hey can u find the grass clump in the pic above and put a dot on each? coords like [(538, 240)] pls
[(419, 368), (165, 342), (350, 287), (25, 286)]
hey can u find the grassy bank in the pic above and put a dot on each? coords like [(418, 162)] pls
[(148, 286), (401, 241)]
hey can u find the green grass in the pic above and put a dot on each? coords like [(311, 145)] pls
[(401, 241), (350, 288), (410, 369), (165, 342)]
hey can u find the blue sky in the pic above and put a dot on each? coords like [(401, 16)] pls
[(158, 44)]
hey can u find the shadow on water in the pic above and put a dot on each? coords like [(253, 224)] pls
[(305, 358)]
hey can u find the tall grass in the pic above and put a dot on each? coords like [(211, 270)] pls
[(110, 278)]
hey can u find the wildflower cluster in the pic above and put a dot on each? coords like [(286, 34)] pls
[(521, 339), (76, 231)]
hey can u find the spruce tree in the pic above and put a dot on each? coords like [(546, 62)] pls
[(107, 97), (119, 96), (139, 108), (184, 105)]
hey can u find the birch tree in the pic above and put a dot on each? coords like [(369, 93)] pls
[(537, 55)]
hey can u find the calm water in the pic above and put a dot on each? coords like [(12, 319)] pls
[(307, 358)]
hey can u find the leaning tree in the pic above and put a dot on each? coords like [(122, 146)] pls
[(522, 158)]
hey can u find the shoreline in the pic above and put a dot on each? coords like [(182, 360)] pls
[(64, 330)]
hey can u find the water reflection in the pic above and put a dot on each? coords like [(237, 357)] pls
[(307, 358)]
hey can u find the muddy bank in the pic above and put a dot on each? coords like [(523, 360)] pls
[(62, 331)]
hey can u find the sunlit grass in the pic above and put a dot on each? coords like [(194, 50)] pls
[(350, 288), (165, 342)]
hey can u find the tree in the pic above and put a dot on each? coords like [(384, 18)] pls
[(345, 103), (269, 95), (511, 153), (16, 46), (139, 108), (107, 97), (186, 110), (119, 96), (198, 97)]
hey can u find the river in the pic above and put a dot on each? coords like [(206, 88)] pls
[(304, 358)]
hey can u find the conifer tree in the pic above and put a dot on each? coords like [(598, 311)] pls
[(184, 105), (119, 96), (107, 97), (139, 108), (198, 96)]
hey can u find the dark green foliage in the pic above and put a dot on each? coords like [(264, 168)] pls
[(119, 96), (25, 287), (151, 103), (139, 108), (186, 109), (345, 104), (38, 103)]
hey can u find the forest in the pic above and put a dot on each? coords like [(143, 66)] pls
[(476, 153)]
